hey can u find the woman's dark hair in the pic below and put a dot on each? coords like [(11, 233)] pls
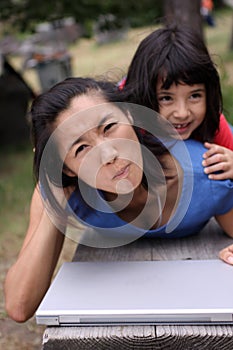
[(45, 109), (175, 54)]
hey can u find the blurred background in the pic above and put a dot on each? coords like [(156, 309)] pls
[(43, 42)]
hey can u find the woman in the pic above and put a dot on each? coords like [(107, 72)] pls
[(99, 170)]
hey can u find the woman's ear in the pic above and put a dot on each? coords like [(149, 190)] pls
[(67, 171)]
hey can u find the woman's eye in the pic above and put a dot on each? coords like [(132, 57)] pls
[(109, 126), (80, 149)]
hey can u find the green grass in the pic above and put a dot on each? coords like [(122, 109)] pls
[(227, 92), (16, 184), (218, 42)]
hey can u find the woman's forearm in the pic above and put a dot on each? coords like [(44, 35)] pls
[(29, 278), (226, 222)]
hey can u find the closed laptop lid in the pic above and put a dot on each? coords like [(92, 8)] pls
[(140, 292)]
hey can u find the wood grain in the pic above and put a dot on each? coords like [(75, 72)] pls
[(205, 245)]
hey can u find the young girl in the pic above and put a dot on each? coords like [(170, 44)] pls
[(172, 73), (99, 173)]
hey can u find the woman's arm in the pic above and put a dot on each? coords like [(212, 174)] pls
[(226, 222), (29, 278)]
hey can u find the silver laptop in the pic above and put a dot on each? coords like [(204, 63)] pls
[(142, 292)]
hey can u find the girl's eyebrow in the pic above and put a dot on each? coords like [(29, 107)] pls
[(199, 89), (164, 91), (101, 122)]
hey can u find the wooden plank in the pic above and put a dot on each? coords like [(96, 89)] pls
[(139, 337), (205, 245)]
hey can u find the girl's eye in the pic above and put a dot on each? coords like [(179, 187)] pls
[(196, 95), (164, 98), (109, 126)]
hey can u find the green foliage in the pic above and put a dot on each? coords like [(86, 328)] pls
[(24, 14), (227, 91)]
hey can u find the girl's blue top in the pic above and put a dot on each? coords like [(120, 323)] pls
[(200, 200)]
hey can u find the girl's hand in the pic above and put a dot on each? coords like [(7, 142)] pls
[(218, 159), (226, 254)]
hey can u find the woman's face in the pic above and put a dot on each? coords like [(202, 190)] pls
[(99, 145)]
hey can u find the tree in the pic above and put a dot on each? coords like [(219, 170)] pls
[(25, 14), (187, 12)]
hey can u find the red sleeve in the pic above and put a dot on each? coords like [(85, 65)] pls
[(224, 136), (121, 83)]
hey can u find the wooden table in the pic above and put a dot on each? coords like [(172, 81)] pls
[(205, 245)]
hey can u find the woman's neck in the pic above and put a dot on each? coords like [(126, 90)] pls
[(137, 207), (129, 201), (150, 209)]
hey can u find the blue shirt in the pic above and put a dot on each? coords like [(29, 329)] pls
[(200, 200)]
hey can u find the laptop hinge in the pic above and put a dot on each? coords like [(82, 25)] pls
[(69, 319), (48, 320)]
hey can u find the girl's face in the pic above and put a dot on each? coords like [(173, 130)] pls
[(184, 106), (99, 145)]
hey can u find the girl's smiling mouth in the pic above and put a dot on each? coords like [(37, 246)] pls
[(181, 128)]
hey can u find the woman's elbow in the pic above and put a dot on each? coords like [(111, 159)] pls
[(18, 312), (225, 222)]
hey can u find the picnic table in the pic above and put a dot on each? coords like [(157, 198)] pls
[(205, 245)]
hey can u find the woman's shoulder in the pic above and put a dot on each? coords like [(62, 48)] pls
[(189, 153), (216, 194), (190, 156)]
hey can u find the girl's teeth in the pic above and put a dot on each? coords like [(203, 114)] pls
[(179, 126)]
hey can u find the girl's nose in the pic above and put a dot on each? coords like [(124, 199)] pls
[(108, 153), (181, 111)]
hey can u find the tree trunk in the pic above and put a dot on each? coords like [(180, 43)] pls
[(187, 12)]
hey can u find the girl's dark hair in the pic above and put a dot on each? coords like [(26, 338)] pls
[(175, 54)]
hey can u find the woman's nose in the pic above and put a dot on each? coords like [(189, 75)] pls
[(108, 153)]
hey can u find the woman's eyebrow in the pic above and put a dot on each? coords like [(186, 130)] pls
[(79, 139), (101, 123), (104, 119)]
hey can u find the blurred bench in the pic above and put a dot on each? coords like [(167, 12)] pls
[(205, 245)]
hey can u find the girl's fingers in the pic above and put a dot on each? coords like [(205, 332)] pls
[(212, 150), (215, 159)]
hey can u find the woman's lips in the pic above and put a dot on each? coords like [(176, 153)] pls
[(122, 173)]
